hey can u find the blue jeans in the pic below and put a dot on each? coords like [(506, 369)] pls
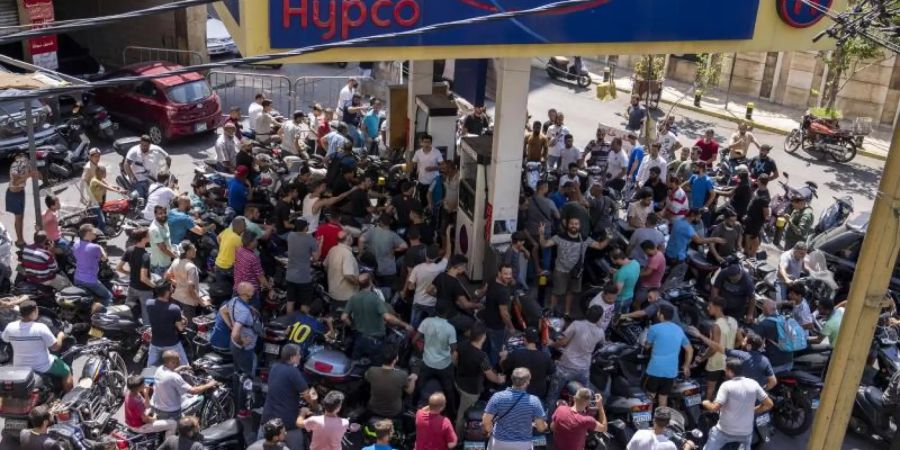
[(552, 162), (244, 360), (561, 378), (154, 354), (718, 439), (143, 188), (355, 136), (369, 347), (420, 313), (783, 368), (781, 290), (496, 341), (98, 289), (101, 219)]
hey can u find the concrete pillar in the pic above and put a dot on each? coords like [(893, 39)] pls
[(513, 76), (421, 74)]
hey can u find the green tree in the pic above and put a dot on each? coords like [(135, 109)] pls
[(850, 57), (709, 71)]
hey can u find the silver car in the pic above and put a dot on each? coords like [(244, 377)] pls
[(218, 41), (14, 127)]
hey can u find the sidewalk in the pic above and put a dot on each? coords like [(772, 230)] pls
[(766, 115)]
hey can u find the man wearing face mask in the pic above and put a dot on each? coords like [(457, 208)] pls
[(287, 387)]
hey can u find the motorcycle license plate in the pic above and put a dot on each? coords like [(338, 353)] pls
[(539, 441), (692, 400), (762, 420), (105, 124), (14, 425), (41, 163), (815, 404), (640, 418), (272, 349), (473, 445), (200, 127), (95, 332)]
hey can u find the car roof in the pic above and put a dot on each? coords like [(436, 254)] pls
[(161, 67), (215, 28)]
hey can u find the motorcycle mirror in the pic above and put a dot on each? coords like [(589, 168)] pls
[(697, 433)]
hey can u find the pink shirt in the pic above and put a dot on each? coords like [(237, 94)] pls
[(51, 224), (657, 263), (134, 410), (327, 432), (433, 431)]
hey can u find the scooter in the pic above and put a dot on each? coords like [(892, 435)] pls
[(870, 418), (558, 68), (835, 215)]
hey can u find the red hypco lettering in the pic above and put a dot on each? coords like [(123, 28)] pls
[(353, 14)]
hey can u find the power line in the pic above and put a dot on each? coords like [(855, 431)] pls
[(53, 91), (66, 26)]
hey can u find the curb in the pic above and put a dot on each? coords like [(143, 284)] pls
[(732, 118)]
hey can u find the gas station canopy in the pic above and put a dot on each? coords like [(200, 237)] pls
[(593, 27)]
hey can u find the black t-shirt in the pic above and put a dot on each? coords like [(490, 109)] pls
[(448, 290), (758, 203), (404, 205), (340, 186), (740, 201), (414, 256), (660, 191), (537, 362), (736, 295), (358, 204), (475, 125), (760, 166), (470, 368), (180, 443), (282, 214), (767, 330), (38, 441), (426, 232), (351, 118), (163, 316), (137, 258), (497, 295)]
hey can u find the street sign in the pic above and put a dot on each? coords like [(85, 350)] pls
[(799, 14)]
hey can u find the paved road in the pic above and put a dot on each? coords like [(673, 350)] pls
[(857, 179)]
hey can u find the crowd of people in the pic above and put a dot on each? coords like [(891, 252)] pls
[(401, 247)]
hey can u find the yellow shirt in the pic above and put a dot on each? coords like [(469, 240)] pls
[(97, 190), (229, 241)]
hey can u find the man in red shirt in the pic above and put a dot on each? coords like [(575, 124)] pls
[(329, 231), (434, 431), (571, 424), (709, 148)]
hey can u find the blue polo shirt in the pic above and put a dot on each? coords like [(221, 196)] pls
[(237, 195), (637, 155), (666, 339), (679, 239), (516, 423), (371, 120), (179, 224), (701, 188)]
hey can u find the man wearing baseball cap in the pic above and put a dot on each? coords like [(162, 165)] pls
[(238, 190)]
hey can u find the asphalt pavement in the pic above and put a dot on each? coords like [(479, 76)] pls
[(858, 179)]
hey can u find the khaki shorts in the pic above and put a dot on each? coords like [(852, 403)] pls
[(563, 283)]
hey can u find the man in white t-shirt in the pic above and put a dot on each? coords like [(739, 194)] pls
[(738, 402), (158, 194), (556, 133), (426, 161), (654, 438), (292, 134), (255, 109), (31, 343), (669, 143), (653, 159), (143, 162), (420, 277), (345, 97)]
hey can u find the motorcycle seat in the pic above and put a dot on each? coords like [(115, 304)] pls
[(74, 291), (229, 429), (560, 60), (802, 376), (873, 395)]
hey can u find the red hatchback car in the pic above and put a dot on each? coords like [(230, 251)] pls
[(164, 108)]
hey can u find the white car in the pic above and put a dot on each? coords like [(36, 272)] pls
[(218, 41)]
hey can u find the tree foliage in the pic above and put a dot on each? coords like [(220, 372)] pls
[(709, 71)]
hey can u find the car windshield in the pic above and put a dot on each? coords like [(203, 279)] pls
[(189, 92), (9, 107)]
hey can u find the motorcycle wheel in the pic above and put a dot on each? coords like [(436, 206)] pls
[(584, 81), (793, 416), (849, 153), (114, 224), (793, 140)]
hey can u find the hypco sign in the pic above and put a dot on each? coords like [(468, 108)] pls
[(802, 13), (296, 23)]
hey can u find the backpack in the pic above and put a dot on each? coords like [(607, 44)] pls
[(791, 336)]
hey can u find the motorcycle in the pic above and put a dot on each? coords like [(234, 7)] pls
[(835, 215), (558, 68), (118, 323), (826, 136), (211, 407), (796, 397), (474, 437), (67, 157), (93, 115), (870, 417), (616, 371), (779, 205)]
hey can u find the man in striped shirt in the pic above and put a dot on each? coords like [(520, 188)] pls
[(40, 265), (510, 415), (248, 267)]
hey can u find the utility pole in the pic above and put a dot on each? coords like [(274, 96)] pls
[(32, 156), (867, 293)]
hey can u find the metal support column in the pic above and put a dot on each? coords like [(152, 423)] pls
[(32, 156)]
